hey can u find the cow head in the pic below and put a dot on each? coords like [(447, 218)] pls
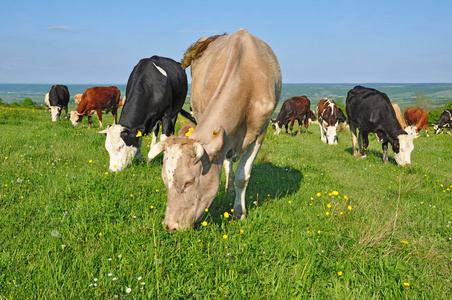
[(402, 150), (276, 126), (75, 117), (191, 173), (122, 146), (330, 132), (436, 128), (56, 112)]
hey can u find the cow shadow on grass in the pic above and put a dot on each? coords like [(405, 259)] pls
[(267, 183), (374, 154)]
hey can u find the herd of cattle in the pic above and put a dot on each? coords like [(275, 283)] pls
[(236, 85)]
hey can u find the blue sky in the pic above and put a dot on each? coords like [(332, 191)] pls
[(346, 41)]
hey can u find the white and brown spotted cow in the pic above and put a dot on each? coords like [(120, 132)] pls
[(329, 116), (236, 85)]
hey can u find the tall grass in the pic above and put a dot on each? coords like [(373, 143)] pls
[(321, 223)]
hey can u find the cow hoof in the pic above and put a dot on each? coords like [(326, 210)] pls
[(363, 156), (386, 162)]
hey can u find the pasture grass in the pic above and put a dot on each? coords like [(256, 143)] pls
[(321, 224)]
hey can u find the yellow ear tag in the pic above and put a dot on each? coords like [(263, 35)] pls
[(139, 134), (190, 130), (214, 133)]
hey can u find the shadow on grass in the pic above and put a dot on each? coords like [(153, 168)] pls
[(267, 182), (378, 154)]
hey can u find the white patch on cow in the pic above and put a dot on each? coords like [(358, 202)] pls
[(331, 105), (277, 128), (406, 147), (121, 155), (172, 155), (56, 112), (163, 137), (73, 116), (161, 70), (331, 135)]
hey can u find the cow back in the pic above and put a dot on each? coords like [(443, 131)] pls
[(155, 85), (59, 95), (99, 98)]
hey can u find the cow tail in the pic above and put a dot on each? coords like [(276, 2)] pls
[(196, 50)]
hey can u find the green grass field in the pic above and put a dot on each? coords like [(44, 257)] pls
[(321, 224)]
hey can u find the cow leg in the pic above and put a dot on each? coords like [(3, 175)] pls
[(155, 133), (89, 121), (66, 109), (229, 174), (114, 112), (138, 154), (292, 123), (354, 140), (167, 126), (306, 123), (99, 116), (363, 141), (242, 177), (300, 125), (384, 146)]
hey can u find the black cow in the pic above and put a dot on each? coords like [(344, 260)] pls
[(58, 100), (156, 92), (370, 111), (445, 121)]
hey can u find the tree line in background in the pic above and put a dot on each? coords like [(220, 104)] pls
[(26, 103)]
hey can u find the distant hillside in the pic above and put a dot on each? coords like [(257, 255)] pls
[(402, 94)]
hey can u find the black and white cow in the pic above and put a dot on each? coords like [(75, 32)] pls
[(329, 115), (58, 100), (445, 121), (370, 111), (156, 92)]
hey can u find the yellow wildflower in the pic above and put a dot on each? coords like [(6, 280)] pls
[(225, 236), (319, 194), (335, 193), (204, 223), (349, 207), (339, 273), (226, 215), (406, 284)]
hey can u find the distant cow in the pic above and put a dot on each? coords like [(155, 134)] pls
[(236, 84), (58, 100), (329, 115), (96, 100), (155, 92), (293, 109), (418, 117), (445, 121), (370, 111), (399, 116), (77, 99)]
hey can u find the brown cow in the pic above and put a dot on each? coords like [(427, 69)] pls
[(236, 84), (398, 114), (293, 109), (418, 117), (96, 99), (329, 115)]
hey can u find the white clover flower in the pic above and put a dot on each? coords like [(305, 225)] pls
[(109, 274), (139, 278), (128, 290)]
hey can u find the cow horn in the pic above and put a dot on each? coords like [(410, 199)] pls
[(156, 150), (198, 149)]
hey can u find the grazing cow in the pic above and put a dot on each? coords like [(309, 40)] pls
[(370, 111), (58, 100), (156, 92), (77, 99), (418, 117), (399, 116), (293, 109), (46, 101), (94, 100), (329, 115), (445, 121), (236, 85)]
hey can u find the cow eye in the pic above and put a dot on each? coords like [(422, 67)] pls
[(189, 183)]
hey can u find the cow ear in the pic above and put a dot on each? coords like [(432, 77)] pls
[(213, 149), (186, 130), (156, 150)]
